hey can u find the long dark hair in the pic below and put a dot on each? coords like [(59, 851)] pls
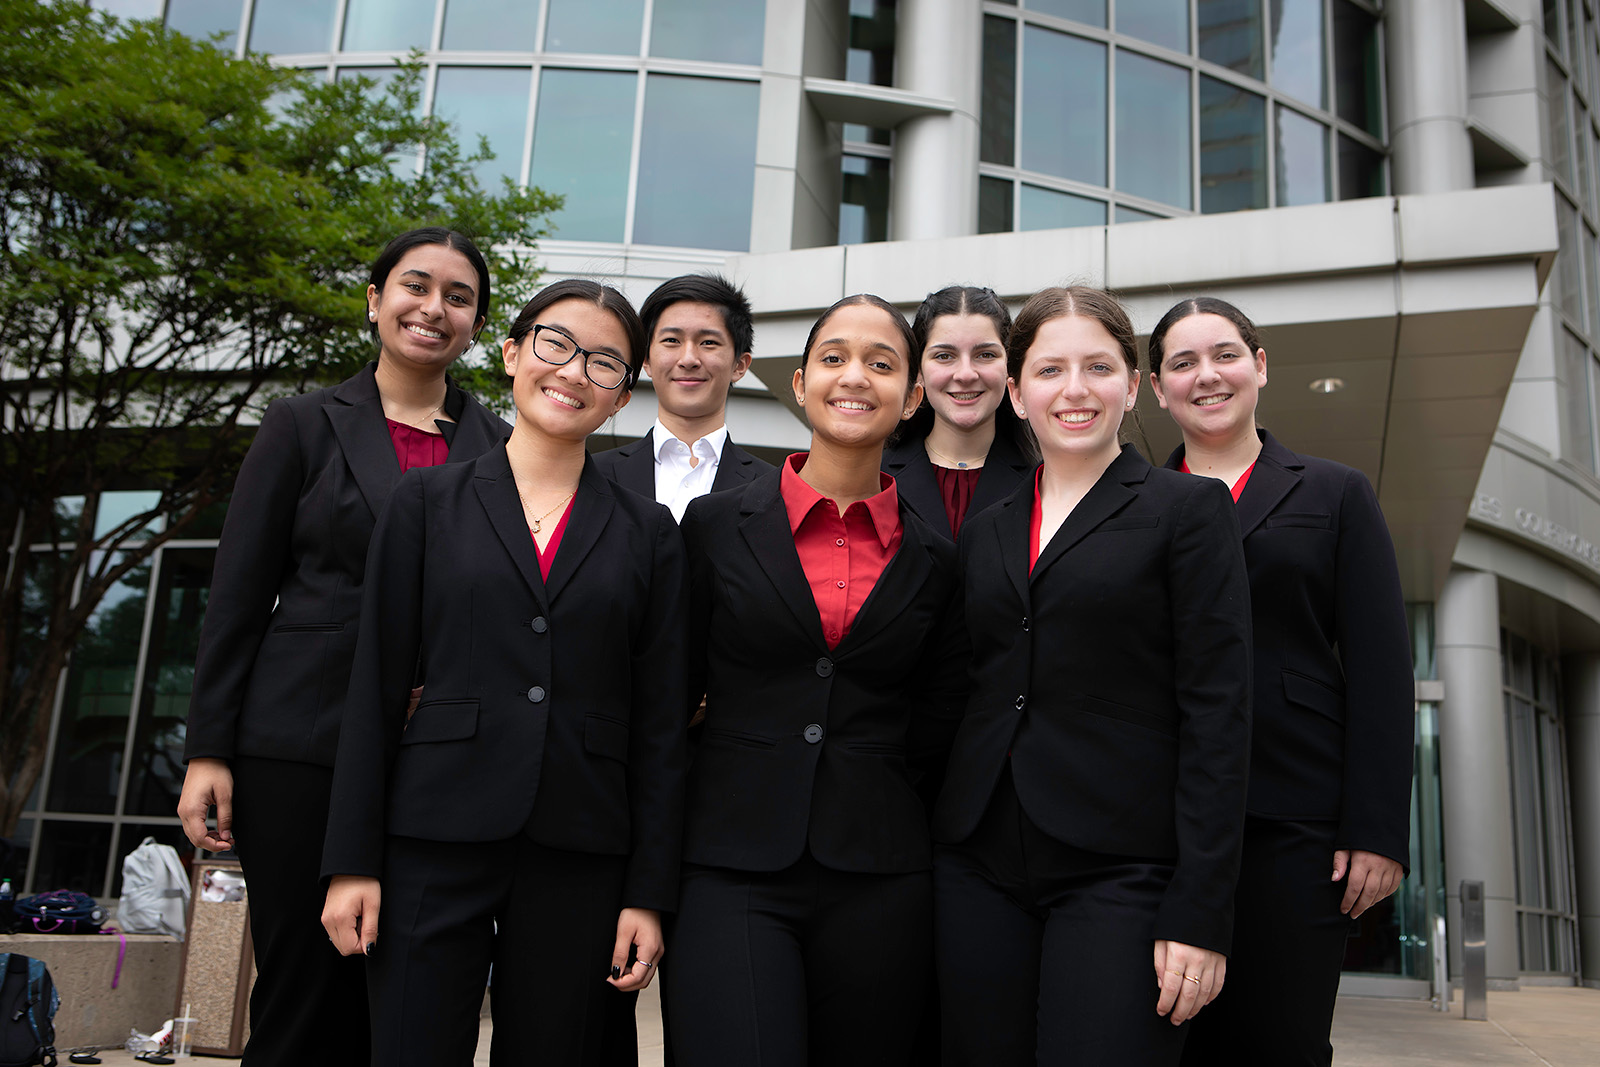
[(1086, 302), (1201, 305), (601, 296), (398, 246), (961, 300), (882, 305)]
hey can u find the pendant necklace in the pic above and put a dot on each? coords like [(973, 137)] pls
[(535, 527), (946, 461)]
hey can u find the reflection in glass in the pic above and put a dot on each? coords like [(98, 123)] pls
[(1302, 159), (678, 30), (1047, 209), (610, 27), (1233, 148), (117, 507), (1297, 54), (404, 163), (1558, 126), (1569, 278), (1355, 67), (1229, 34), (1360, 170), (15, 863), (864, 205), (287, 26), (870, 57), (1153, 132), (1064, 106), (697, 160), (202, 18), (156, 776), (1091, 12), (998, 133), (582, 145), (1163, 22), (132, 835), (994, 205), (93, 727), (72, 855), (491, 25), (130, 9), (1129, 214), (66, 511), (43, 576), (489, 102), (387, 25)]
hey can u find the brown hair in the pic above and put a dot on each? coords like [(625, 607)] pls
[(1061, 302), (1201, 305)]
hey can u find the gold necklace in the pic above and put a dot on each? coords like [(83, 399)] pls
[(948, 462), (535, 527), (425, 418)]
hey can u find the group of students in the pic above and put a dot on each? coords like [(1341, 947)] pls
[(966, 736)]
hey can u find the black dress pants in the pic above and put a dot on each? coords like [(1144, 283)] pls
[(309, 1004), (545, 918), (1046, 952), (1276, 1007), (801, 966)]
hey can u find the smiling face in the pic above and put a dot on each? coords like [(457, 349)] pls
[(852, 384), (427, 311), (1209, 379), (692, 362), (1074, 387), (964, 370), (560, 401)]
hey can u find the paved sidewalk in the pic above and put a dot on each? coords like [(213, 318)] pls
[(1537, 1027)]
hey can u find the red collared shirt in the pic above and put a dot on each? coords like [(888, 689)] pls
[(843, 556), (1238, 486), (417, 448)]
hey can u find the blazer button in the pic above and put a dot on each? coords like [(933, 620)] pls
[(536, 694), (1024, 624), (824, 667), (1021, 703), (540, 626), (813, 734)]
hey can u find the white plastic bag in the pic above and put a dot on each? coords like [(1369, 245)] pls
[(155, 892)]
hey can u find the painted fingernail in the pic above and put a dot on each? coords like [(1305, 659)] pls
[(368, 947), (616, 972)]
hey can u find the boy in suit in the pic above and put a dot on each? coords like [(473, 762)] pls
[(700, 334)]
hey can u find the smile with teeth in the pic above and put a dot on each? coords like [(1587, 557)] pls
[(1072, 417), (853, 405), (1213, 401), (965, 396), (563, 398), (423, 331)]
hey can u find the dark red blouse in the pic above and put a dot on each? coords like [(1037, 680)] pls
[(955, 487), (417, 448)]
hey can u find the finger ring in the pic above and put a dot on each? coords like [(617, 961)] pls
[(645, 962), (1191, 978)]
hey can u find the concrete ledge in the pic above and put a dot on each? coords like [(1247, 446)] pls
[(82, 965)]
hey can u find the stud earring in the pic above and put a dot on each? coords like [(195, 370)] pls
[(372, 316)]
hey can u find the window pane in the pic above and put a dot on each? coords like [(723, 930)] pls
[(1360, 170), (156, 777), (1230, 34), (1064, 106), (582, 144), (202, 18), (93, 728), (612, 27), (1233, 148), (1129, 214), (1092, 12), (864, 205), (1047, 209), (1163, 22), (16, 862), (1591, 269), (1297, 55), (997, 141), (697, 161), (678, 30), (1558, 124), (1356, 71), (1576, 428), (387, 25), (1569, 277), (72, 855), (994, 205), (118, 506), (1552, 22), (489, 102), (1302, 159), (491, 25), (292, 26), (129, 9), (1153, 133)]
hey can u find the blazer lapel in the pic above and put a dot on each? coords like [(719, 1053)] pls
[(636, 469), (1276, 473), (1012, 529), (356, 414), (590, 513), (497, 492), (1004, 467), (766, 531), (736, 467), (1108, 496), (897, 584), (917, 485), (475, 429)]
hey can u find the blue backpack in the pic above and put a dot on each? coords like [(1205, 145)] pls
[(59, 912), (28, 1003)]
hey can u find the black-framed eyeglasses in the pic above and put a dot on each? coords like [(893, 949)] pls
[(602, 368)]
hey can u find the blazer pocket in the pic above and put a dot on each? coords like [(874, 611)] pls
[(876, 748), (1310, 693), (1302, 520), (442, 720), (1131, 522), (606, 736), (739, 739), (308, 628), (1123, 713)]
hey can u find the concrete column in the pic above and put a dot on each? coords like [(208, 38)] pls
[(1582, 711), (1426, 45), (938, 51), (1474, 766)]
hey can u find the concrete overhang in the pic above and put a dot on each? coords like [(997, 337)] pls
[(1420, 304)]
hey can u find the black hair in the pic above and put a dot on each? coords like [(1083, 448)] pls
[(961, 300), (1059, 302), (1201, 305), (871, 301), (397, 247), (711, 289), (602, 296)]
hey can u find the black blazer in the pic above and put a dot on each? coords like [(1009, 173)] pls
[(806, 746), (1129, 731), (908, 462), (633, 466), (270, 679), (1334, 696), (553, 709)]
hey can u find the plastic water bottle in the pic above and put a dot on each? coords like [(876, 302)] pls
[(8, 901)]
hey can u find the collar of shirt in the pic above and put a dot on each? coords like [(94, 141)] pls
[(708, 447), (800, 499)]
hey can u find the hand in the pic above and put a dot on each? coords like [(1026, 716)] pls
[(638, 936), (1372, 877), (416, 698), (207, 782), (1189, 978), (350, 914)]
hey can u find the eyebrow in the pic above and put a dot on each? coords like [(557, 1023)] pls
[(606, 349), (844, 341), (452, 284)]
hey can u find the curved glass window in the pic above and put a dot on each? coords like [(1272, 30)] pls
[(998, 126), (491, 25), (487, 102), (1297, 54), (292, 26), (1162, 22), (1229, 33), (201, 19), (387, 25), (1233, 148), (1089, 12), (1302, 159), (582, 145), (697, 162), (1047, 209), (678, 30), (1064, 106), (609, 27), (1153, 130)]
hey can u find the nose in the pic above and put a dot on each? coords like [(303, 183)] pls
[(853, 374), (1076, 383), (572, 372), (966, 373), (690, 357), (1208, 373), (433, 304)]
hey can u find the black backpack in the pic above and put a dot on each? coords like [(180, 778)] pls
[(28, 1003)]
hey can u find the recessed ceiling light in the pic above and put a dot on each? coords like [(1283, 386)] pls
[(1327, 385)]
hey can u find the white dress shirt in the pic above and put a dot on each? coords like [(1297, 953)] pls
[(677, 482)]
